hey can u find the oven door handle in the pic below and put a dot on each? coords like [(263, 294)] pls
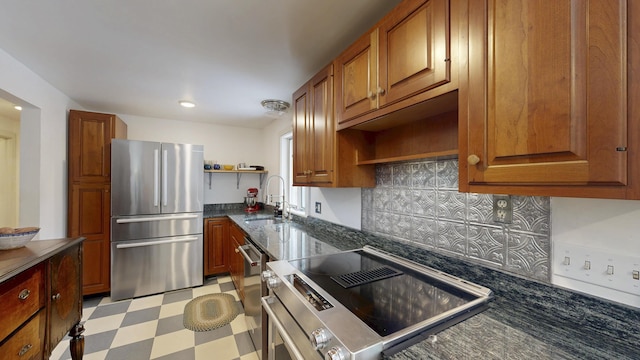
[(283, 333), (246, 256)]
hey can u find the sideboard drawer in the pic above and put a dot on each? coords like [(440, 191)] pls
[(21, 297), (28, 342)]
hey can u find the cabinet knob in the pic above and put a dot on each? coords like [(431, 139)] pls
[(372, 95), (473, 159), (55, 297), (381, 91), (236, 250)]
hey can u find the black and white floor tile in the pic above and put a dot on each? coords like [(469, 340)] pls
[(151, 327)]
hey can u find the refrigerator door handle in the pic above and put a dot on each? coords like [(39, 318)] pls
[(165, 164), (157, 242), (156, 177), (156, 218)]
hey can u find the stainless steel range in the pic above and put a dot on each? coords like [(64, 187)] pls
[(358, 304)]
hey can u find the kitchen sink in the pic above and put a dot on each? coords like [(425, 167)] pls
[(264, 221)]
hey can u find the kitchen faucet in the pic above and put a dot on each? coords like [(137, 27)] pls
[(269, 197)]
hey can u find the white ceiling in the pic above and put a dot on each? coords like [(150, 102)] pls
[(139, 57)]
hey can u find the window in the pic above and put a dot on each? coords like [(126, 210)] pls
[(297, 195)]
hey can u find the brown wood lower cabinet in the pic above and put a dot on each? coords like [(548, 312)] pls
[(89, 217), (216, 244), (41, 300), (236, 261)]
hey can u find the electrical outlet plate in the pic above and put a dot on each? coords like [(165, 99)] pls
[(318, 207), (597, 267), (502, 209)]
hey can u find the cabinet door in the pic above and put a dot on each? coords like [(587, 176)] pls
[(89, 138), (216, 242), (89, 217), (357, 73), (547, 93), (314, 130), (322, 129), (65, 297), (414, 49), (301, 123), (237, 267)]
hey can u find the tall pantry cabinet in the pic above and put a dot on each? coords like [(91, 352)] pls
[(89, 197)]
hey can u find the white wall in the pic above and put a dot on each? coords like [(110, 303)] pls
[(9, 173), (609, 231), (225, 144), (43, 151), (341, 206)]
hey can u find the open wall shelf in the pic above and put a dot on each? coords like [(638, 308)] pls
[(239, 173)]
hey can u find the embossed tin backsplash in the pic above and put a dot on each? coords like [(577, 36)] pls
[(419, 202)]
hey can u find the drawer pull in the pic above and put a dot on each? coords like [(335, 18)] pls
[(24, 294), (25, 349), (55, 297)]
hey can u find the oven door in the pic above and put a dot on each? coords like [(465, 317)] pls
[(286, 338)]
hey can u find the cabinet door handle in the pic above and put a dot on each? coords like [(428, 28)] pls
[(24, 294), (25, 349), (381, 91), (473, 159), (55, 297), (372, 95)]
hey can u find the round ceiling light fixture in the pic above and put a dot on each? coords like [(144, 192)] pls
[(186, 103), (275, 108)]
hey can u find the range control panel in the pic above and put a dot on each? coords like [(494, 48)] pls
[(312, 296)]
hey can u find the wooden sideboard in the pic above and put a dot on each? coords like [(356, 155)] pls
[(41, 297)]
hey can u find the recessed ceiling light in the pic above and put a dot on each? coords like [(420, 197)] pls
[(186, 103), (17, 107)]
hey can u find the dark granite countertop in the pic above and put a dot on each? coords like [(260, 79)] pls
[(525, 320)]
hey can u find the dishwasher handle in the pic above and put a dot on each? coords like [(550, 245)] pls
[(246, 256)]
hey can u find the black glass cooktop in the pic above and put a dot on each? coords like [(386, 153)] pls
[(385, 295)]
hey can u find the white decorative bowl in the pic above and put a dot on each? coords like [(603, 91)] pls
[(16, 240)]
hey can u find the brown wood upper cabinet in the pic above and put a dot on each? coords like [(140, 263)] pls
[(90, 137), (544, 111), (322, 157), (314, 130), (89, 196), (406, 54)]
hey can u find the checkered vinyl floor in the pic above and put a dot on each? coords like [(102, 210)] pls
[(151, 327)]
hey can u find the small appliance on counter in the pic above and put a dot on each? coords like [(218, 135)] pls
[(251, 200)]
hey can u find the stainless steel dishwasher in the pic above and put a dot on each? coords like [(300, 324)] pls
[(254, 263)]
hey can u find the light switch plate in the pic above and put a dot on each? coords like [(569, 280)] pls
[(318, 207), (597, 267)]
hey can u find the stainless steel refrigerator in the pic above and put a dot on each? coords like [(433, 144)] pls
[(156, 217)]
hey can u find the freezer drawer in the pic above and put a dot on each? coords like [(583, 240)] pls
[(154, 226), (145, 267)]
